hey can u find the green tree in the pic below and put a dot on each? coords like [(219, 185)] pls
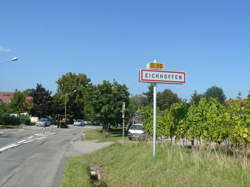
[(42, 102), (147, 118), (28, 92), (216, 121), (166, 98), (216, 92), (135, 103), (147, 97), (195, 98), (3, 107), (17, 103), (107, 99), (74, 89), (240, 119)]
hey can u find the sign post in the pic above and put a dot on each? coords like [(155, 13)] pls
[(154, 121), (155, 74), (123, 116)]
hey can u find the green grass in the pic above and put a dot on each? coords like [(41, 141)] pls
[(132, 164), (97, 134)]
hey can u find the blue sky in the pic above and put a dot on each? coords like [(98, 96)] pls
[(113, 39)]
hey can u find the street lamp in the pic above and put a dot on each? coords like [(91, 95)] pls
[(65, 105), (14, 59)]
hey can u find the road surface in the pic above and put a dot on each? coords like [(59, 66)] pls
[(31, 158)]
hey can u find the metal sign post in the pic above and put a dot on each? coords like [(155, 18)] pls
[(154, 121), (155, 74)]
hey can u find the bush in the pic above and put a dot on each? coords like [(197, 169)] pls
[(6, 119), (25, 120)]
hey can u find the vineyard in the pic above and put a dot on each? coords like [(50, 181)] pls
[(210, 123)]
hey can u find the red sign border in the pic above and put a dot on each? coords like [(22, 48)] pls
[(160, 81)]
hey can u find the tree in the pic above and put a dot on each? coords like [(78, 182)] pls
[(74, 89), (107, 99), (216, 92), (28, 92), (135, 103), (166, 98), (17, 103), (42, 101), (148, 96), (195, 98), (3, 107)]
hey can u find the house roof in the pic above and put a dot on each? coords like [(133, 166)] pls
[(6, 97)]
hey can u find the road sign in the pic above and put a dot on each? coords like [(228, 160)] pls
[(155, 65), (167, 77), (154, 75)]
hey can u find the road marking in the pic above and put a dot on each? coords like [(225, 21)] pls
[(8, 147), (29, 139), (40, 138), (21, 141)]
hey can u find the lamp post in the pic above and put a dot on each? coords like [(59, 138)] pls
[(65, 105), (14, 59)]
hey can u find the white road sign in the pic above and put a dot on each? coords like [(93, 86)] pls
[(167, 77)]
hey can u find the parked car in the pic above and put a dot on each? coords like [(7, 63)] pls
[(43, 122), (79, 122), (136, 131)]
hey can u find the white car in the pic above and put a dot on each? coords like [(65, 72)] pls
[(136, 131), (43, 122), (79, 122)]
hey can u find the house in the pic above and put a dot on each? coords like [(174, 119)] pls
[(5, 97)]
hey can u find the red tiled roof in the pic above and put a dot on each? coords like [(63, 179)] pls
[(6, 97)]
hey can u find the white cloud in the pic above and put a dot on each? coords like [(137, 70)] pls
[(4, 50)]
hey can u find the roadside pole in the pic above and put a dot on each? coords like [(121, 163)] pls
[(123, 116), (154, 120), (65, 108)]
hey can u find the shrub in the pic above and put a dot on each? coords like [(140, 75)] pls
[(6, 119), (25, 120)]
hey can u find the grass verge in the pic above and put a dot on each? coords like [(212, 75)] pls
[(97, 134), (132, 164)]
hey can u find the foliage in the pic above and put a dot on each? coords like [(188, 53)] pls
[(29, 92), (132, 164), (3, 107), (147, 119), (74, 90), (25, 120), (208, 120), (42, 101), (195, 98), (147, 98), (240, 118), (17, 103), (107, 99), (6, 119), (216, 92), (166, 98)]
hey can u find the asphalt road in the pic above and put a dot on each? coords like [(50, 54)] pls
[(31, 158)]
